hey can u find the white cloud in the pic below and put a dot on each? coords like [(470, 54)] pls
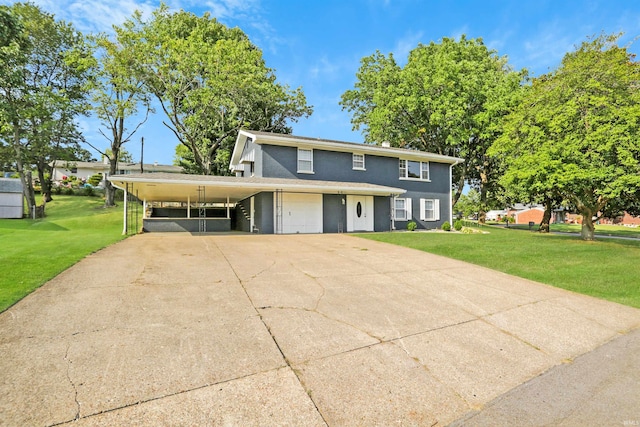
[(325, 68), (405, 45)]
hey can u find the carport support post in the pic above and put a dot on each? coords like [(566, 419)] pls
[(228, 213), (188, 206), (124, 229)]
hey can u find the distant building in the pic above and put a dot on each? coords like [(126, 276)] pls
[(84, 170), (11, 198)]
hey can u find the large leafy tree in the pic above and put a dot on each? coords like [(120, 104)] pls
[(449, 99), (120, 100), (44, 95), (576, 134), (210, 81)]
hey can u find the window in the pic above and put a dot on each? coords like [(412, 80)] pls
[(305, 160), (358, 161), (429, 209), (411, 169), (401, 209)]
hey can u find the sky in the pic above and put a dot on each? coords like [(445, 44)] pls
[(318, 44)]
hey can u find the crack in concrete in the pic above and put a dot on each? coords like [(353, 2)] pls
[(164, 396), (275, 341), (75, 389)]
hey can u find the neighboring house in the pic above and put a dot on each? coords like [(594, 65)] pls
[(525, 215), (11, 198), (291, 184), (84, 170)]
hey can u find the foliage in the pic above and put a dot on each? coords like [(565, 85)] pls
[(38, 250), (446, 226), (457, 225), (210, 81), (448, 99), (468, 204), (118, 97), (95, 179), (41, 94), (601, 269), (412, 225), (575, 137)]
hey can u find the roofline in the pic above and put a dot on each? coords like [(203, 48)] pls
[(330, 145), (262, 186)]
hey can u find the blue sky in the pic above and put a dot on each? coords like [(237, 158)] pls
[(318, 44)]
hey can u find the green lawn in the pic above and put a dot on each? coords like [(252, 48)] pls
[(33, 252), (605, 268), (601, 230)]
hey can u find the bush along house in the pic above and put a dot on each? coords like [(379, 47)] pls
[(286, 184)]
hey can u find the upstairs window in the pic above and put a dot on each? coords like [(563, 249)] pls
[(411, 169), (305, 160), (358, 161)]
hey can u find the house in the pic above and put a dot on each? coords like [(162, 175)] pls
[(11, 198), (291, 184), (85, 170)]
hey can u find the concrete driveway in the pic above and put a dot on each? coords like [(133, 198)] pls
[(175, 329)]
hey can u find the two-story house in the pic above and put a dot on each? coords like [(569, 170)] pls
[(290, 184)]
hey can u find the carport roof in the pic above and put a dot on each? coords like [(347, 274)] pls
[(171, 187)]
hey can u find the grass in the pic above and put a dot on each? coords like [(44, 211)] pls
[(605, 268), (601, 230), (34, 251)]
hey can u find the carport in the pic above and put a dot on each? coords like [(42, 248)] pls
[(197, 203)]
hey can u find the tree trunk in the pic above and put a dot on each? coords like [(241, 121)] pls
[(25, 176), (110, 190), (546, 218), (45, 183), (482, 211), (588, 229)]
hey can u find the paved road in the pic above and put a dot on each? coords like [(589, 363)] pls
[(175, 329)]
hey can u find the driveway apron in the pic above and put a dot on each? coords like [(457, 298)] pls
[(180, 329)]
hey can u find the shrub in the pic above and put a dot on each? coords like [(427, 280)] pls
[(411, 225), (94, 180), (446, 226), (88, 191), (457, 225), (68, 191)]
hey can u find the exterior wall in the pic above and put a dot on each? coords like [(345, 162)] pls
[(191, 225), (242, 223), (334, 213), (382, 213), (281, 162), (524, 217), (630, 220), (264, 213)]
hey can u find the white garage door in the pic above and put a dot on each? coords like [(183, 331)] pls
[(301, 213)]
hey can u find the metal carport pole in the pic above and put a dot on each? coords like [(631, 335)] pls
[(126, 191)]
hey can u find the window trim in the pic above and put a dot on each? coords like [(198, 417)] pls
[(309, 161), (407, 209), (353, 162), (436, 210), (403, 165)]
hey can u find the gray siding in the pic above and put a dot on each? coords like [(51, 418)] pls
[(242, 223), (381, 214), (281, 162), (263, 204), (334, 213)]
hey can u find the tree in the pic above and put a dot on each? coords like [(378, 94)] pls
[(448, 99), (43, 96), (468, 204), (118, 95), (576, 134), (210, 81)]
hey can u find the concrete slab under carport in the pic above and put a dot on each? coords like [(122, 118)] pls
[(177, 329)]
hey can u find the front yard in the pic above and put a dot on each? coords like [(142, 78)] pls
[(34, 251), (606, 268)]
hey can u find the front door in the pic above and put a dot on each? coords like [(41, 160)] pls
[(359, 213)]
